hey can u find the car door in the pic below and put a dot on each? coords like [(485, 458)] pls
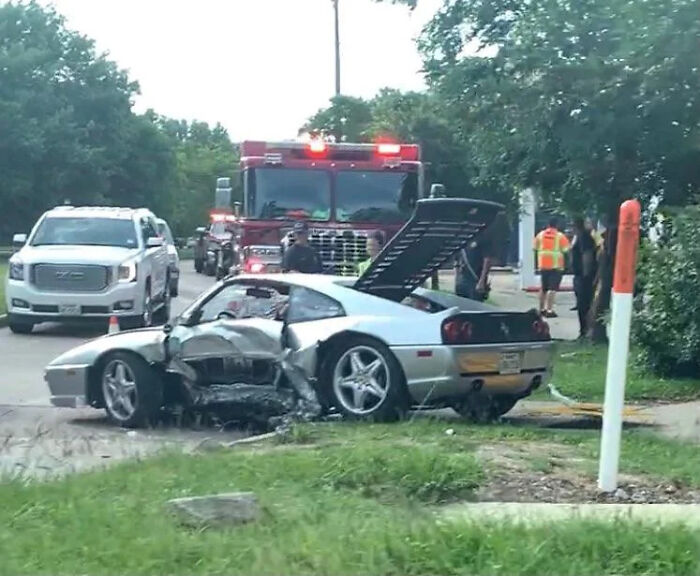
[(241, 320), (157, 258)]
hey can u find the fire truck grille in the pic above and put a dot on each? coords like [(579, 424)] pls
[(341, 251)]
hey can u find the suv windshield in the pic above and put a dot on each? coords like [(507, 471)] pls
[(86, 232), (281, 193), (385, 197)]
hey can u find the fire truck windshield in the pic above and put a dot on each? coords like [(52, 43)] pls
[(382, 197), (281, 193)]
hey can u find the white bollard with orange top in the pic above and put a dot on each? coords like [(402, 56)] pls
[(618, 350)]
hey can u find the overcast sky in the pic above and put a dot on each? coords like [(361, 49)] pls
[(260, 67)]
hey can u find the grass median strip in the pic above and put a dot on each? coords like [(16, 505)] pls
[(579, 372), (337, 499)]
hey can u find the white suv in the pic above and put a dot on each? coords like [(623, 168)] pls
[(89, 263)]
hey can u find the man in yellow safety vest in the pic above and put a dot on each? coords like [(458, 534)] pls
[(375, 243), (551, 247)]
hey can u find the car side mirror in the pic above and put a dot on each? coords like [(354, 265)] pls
[(19, 240), (201, 231), (155, 242)]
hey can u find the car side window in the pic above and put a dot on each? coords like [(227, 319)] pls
[(245, 301), (306, 305), (148, 229)]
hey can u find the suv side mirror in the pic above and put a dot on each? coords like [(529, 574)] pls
[(155, 242), (19, 240), (201, 230)]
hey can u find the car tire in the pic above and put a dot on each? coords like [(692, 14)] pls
[(131, 389), (484, 409), (162, 315), (362, 379), (143, 320), (175, 290), (20, 326), (210, 269), (198, 265)]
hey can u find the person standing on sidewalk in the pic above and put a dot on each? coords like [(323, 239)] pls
[(584, 267), (301, 256), (551, 247), (474, 262)]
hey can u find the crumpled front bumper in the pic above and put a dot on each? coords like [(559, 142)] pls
[(68, 385)]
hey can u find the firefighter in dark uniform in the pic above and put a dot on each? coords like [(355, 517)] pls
[(300, 256)]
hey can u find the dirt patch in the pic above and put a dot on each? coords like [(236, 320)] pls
[(549, 473)]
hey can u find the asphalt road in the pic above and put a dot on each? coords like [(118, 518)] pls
[(22, 358)]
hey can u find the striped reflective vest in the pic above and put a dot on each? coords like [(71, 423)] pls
[(362, 266), (551, 246)]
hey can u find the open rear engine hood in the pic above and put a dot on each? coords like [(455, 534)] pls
[(438, 229)]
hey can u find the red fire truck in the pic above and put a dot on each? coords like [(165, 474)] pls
[(344, 191)]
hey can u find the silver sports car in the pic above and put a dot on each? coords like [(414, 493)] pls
[(260, 347)]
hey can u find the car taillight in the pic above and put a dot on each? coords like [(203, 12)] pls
[(540, 328), (456, 331)]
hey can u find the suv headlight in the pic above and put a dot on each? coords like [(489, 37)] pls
[(16, 270), (127, 272)]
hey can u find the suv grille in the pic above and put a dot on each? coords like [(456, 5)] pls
[(340, 250), (70, 277)]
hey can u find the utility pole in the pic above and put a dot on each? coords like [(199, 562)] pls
[(337, 48)]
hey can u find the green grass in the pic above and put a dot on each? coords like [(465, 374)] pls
[(337, 499), (579, 372)]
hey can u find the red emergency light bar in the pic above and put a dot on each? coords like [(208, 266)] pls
[(320, 149), (222, 217)]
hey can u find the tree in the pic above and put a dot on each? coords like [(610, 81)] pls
[(591, 102), (202, 154), (68, 132), (408, 117)]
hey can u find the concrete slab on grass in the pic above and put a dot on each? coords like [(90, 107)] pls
[(538, 512)]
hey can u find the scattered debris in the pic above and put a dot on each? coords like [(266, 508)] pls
[(450, 431), (230, 509)]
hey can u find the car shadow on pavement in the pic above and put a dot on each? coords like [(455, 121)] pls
[(82, 330)]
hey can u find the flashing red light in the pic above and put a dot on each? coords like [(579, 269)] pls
[(389, 149), (254, 266), (317, 146), (218, 217)]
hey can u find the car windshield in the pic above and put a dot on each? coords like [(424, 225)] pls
[(280, 193), (385, 197), (86, 232), (164, 230)]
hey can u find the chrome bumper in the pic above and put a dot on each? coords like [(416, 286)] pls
[(436, 373), (68, 385)]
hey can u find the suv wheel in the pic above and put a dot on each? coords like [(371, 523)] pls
[(198, 265), (20, 326)]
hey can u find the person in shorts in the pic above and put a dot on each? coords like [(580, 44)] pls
[(551, 247)]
